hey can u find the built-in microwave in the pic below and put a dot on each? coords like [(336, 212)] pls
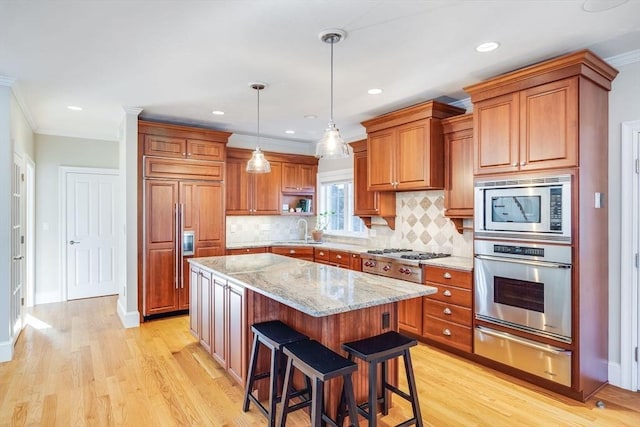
[(524, 208)]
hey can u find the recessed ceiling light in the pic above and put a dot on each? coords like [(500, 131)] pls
[(310, 116), (74, 108), (374, 91), (217, 113), (487, 47), (601, 5), (290, 132)]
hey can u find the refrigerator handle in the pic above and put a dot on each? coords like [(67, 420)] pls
[(181, 245), (178, 258)]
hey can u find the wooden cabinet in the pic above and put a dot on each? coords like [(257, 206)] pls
[(252, 193), (448, 313), (410, 316), (333, 257), (299, 179), (355, 262), (251, 250), (228, 345), (458, 168), (301, 252), (532, 129), (177, 195), (367, 203), (405, 149), (201, 303)]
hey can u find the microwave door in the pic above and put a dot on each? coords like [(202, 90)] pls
[(519, 210)]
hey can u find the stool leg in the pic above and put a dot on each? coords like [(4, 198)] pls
[(347, 389), (252, 373), (273, 392), (413, 392), (386, 395), (316, 402), (373, 394), (286, 389)]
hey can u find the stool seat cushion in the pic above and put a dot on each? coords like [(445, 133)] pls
[(320, 361), (379, 346), (277, 332)]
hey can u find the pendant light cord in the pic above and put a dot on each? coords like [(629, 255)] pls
[(333, 40), (258, 129)]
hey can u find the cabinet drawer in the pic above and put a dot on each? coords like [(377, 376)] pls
[(449, 312), (451, 295), (447, 333), (447, 276), (241, 251), (205, 150), (183, 169), (294, 251), (322, 255), (340, 257), (164, 146)]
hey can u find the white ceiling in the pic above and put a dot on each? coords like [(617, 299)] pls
[(179, 60)]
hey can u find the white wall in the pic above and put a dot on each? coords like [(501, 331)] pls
[(51, 152), (624, 105), (6, 157)]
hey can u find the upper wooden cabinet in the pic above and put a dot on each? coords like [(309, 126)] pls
[(367, 203), (299, 178), (458, 167), (252, 193), (166, 140), (405, 149), (533, 119)]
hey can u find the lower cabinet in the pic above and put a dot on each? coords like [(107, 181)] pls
[(410, 315), (300, 252), (251, 250), (217, 317), (448, 313)]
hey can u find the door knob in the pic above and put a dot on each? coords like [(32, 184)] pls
[(73, 242), (18, 258)]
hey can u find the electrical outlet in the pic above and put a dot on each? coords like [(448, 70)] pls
[(385, 320), (372, 232)]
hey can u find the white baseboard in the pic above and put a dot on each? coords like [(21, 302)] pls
[(129, 319), (47, 297), (6, 351), (615, 377)]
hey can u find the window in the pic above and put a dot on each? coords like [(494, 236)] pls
[(335, 191)]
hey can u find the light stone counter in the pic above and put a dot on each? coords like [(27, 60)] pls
[(455, 262), (311, 288)]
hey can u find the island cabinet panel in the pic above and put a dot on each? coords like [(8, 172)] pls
[(204, 309), (331, 331), (458, 167), (447, 314), (194, 304), (410, 316)]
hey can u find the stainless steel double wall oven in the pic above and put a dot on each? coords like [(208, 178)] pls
[(523, 274)]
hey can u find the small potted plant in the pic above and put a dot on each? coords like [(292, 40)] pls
[(322, 222)]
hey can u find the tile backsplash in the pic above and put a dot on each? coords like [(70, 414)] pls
[(420, 225)]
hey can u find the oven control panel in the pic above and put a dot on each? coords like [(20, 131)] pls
[(518, 250)]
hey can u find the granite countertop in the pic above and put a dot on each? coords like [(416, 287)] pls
[(455, 262), (312, 288)]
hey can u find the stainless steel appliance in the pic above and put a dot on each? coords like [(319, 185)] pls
[(401, 264), (525, 287), (524, 208)]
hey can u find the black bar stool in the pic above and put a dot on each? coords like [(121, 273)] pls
[(319, 364), (273, 335), (379, 349)]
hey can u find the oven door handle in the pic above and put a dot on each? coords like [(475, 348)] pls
[(524, 261), (528, 343)]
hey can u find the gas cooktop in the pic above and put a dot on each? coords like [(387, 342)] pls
[(407, 254)]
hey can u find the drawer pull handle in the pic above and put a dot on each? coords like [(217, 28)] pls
[(321, 253), (447, 293), (446, 332), (338, 256), (447, 311), (447, 275), (292, 251)]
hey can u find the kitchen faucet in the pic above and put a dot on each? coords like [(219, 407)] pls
[(306, 228)]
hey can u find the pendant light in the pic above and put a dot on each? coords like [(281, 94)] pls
[(332, 146), (257, 163)]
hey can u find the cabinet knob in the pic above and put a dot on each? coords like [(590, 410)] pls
[(188, 154), (321, 253), (338, 256), (248, 250), (292, 251), (447, 311), (446, 332), (447, 275), (446, 293), (514, 164), (523, 163), (184, 154)]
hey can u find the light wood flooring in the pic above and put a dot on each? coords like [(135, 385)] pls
[(75, 365)]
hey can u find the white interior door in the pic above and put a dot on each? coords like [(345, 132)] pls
[(91, 239), (17, 245)]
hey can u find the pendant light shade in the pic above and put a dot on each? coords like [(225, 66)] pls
[(258, 163), (331, 145)]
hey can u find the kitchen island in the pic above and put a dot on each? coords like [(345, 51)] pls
[(329, 304)]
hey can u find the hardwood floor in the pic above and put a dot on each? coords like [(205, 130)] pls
[(76, 365)]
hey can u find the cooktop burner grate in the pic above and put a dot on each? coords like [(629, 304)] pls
[(424, 255)]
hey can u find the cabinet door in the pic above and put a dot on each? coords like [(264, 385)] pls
[(161, 279), (549, 125), (194, 316), (205, 150), (236, 332), (237, 182), (164, 146), (218, 321), (266, 191), (355, 262), (381, 155), (458, 186), (204, 312), (208, 217), (413, 164), (308, 174), (290, 178), (365, 201), (410, 315), (496, 133)]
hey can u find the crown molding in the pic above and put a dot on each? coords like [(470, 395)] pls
[(132, 110), (463, 103), (624, 58)]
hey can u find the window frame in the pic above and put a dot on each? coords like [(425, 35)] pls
[(333, 177)]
